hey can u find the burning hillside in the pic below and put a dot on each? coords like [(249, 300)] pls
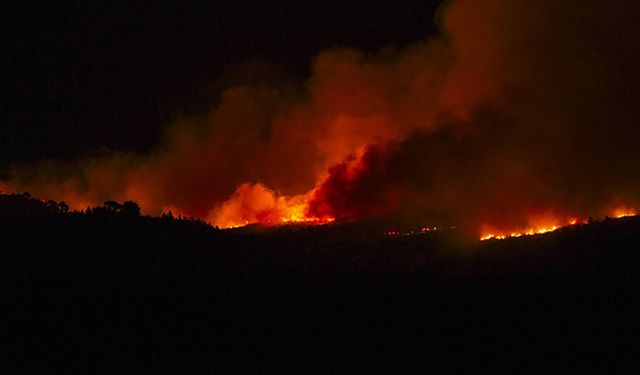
[(519, 118)]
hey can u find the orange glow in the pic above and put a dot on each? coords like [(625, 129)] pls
[(530, 231), (623, 212), (467, 126), (257, 204), (526, 232), (549, 225)]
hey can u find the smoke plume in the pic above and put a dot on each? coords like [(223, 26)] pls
[(518, 113)]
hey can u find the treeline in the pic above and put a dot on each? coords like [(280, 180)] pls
[(117, 234), (24, 205), (46, 236), (97, 288)]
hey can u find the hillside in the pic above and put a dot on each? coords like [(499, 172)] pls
[(85, 290)]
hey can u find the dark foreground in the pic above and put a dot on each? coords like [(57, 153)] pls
[(113, 292)]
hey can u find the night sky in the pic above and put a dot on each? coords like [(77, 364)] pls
[(83, 77)]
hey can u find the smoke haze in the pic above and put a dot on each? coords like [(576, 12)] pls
[(519, 112)]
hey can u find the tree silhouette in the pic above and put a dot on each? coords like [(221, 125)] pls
[(130, 208), (113, 205), (63, 206)]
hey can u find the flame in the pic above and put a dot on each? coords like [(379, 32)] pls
[(467, 125), (537, 224), (551, 225), (257, 204), (530, 231), (624, 212), (526, 232)]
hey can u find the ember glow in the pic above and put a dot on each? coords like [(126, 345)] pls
[(549, 225), (526, 232), (515, 108), (624, 212), (256, 204)]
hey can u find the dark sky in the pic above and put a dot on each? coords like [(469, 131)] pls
[(83, 76)]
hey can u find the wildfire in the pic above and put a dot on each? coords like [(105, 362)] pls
[(623, 212), (552, 225), (457, 127), (527, 232), (257, 204), (293, 219)]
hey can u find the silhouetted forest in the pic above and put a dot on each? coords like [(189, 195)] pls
[(110, 290)]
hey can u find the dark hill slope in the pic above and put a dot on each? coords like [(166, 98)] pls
[(111, 291)]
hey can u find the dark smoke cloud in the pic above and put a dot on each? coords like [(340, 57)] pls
[(488, 170), (544, 104)]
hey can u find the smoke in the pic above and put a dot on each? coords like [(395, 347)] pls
[(518, 110)]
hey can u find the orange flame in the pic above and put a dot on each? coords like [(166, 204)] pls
[(623, 212), (257, 204), (549, 225), (526, 232)]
